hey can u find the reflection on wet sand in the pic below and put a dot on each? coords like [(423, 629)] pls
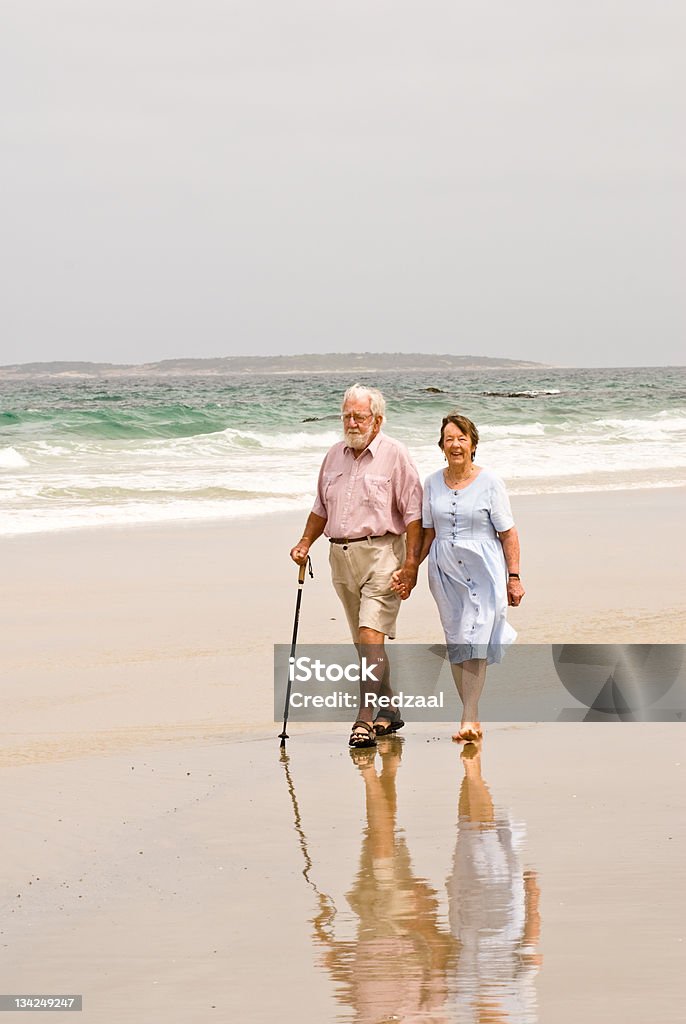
[(493, 909), (406, 962), (397, 967)]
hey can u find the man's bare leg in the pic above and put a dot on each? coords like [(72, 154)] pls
[(371, 648)]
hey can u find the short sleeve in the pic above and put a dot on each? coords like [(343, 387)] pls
[(319, 507), (427, 514), (407, 488), (500, 511)]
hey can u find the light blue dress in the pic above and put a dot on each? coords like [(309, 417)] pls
[(467, 570)]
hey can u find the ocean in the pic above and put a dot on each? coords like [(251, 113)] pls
[(118, 450)]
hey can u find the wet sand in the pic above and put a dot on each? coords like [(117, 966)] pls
[(152, 863), (200, 881)]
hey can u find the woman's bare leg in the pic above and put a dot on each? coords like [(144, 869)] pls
[(469, 677)]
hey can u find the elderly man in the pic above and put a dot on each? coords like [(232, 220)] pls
[(368, 497)]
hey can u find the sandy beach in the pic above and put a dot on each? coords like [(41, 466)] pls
[(155, 856)]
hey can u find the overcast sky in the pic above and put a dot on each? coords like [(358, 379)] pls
[(280, 176)]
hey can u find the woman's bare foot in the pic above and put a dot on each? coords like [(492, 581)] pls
[(469, 732)]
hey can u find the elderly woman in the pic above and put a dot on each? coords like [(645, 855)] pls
[(473, 549)]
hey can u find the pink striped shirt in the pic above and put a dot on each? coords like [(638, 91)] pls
[(378, 492)]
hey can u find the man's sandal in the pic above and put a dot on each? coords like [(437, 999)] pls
[(363, 757), (393, 723), (362, 735)]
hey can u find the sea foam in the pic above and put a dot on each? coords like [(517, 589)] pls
[(11, 459)]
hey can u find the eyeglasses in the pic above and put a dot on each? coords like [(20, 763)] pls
[(357, 417)]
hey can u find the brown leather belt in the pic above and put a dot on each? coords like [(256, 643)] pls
[(355, 540)]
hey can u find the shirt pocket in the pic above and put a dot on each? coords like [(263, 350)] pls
[(377, 490), (329, 484)]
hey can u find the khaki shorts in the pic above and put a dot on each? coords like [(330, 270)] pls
[(361, 575)]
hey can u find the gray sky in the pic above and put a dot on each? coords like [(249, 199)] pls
[(264, 176)]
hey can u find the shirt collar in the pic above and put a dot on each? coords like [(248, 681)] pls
[(372, 447)]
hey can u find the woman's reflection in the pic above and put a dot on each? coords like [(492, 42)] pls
[(493, 909)]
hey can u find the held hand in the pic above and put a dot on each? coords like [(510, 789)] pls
[(403, 581), (515, 592), (396, 586), (299, 552)]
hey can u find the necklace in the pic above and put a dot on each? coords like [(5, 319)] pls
[(454, 486)]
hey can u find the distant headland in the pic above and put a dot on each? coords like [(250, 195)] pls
[(334, 362)]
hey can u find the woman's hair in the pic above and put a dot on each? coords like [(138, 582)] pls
[(377, 402), (464, 424)]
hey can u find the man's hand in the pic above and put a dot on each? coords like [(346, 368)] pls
[(314, 527), (404, 580), (300, 551)]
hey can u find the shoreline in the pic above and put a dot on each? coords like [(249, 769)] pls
[(215, 521)]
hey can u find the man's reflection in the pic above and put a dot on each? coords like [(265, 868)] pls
[(398, 966), (405, 963)]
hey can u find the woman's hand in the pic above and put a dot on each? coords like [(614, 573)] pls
[(515, 592), (510, 542)]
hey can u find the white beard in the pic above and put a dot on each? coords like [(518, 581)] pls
[(358, 441)]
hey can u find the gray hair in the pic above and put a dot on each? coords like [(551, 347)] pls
[(377, 402)]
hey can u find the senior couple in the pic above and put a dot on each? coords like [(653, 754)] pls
[(380, 529)]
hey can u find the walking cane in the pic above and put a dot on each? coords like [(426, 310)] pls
[(283, 736)]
